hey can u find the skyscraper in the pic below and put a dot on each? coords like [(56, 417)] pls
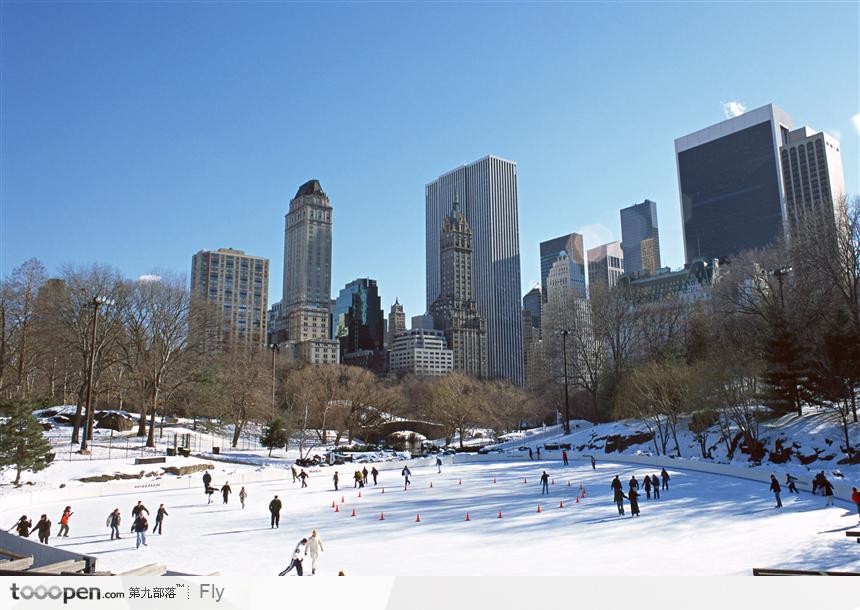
[(606, 263), (396, 322), (812, 174), (640, 238), (730, 182), (532, 303), (230, 292), (307, 275), (358, 321), (487, 190), (455, 312), (571, 246)]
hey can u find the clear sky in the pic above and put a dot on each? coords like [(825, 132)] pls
[(138, 133)]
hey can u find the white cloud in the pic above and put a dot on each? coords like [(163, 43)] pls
[(149, 277), (855, 120), (733, 108), (594, 235)]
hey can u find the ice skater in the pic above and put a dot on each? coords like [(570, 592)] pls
[(364, 474), (593, 463), (776, 489), (633, 483), (564, 458), (438, 464), (633, 496), (43, 526), (827, 489), (792, 483), (618, 496), (530, 454), (64, 522), (374, 473), (243, 497), (855, 497), (113, 521), (207, 480), (665, 476), (22, 526), (275, 510), (335, 480), (138, 509), (304, 477), (538, 452), (295, 473), (226, 491), (314, 547), (296, 561), (139, 527), (160, 514), (655, 484), (647, 485), (210, 491), (405, 474), (544, 483)]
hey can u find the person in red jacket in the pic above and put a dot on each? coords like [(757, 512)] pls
[(64, 522), (855, 497), (564, 458)]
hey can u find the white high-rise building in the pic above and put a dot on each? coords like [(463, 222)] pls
[(606, 263), (422, 353), (487, 191)]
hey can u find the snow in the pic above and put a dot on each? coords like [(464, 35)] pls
[(704, 525)]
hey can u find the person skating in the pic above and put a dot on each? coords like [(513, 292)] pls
[(564, 458), (633, 496), (113, 521), (43, 526), (855, 497), (364, 474), (314, 547), (139, 527), (593, 463), (296, 560), (647, 485), (304, 477), (64, 522), (665, 476), (538, 453), (210, 491), (616, 483), (816, 482), (618, 496), (792, 483), (243, 497), (544, 483), (138, 509), (159, 518), (438, 464), (295, 473), (827, 488), (776, 489), (633, 483), (22, 526), (275, 510), (226, 491), (405, 474), (655, 484), (356, 477), (207, 480), (335, 480), (374, 473), (530, 453)]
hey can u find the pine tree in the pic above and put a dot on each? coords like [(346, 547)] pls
[(275, 436), (786, 371), (23, 445)]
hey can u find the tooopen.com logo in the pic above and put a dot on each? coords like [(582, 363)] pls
[(61, 593)]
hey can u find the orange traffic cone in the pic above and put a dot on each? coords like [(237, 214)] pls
[(461, 482), (359, 493), (577, 499), (500, 514), (568, 483), (431, 484), (333, 504), (561, 504), (341, 500), (525, 481), (353, 512), (382, 516), (336, 508), (417, 518), (383, 490), (538, 510), (553, 481), (467, 517), (494, 480), (583, 492)]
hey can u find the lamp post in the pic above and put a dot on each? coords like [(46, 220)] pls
[(88, 421), (275, 350), (563, 333), (780, 274)]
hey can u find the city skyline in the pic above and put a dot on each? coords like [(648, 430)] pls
[(124, 177)]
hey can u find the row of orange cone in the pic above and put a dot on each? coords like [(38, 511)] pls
[(418, 516)]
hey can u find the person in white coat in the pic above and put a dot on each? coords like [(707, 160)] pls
[(314, 547), (296, 559)]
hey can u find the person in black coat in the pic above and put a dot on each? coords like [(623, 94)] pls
[(159, 519), (633, 483), (665, 476), (593, 463), (647, 484), (226, 491), (113, 521), (138, 511), (655, 483), (43, 526), (304, 477), (619, 499), (633, 496), (827, 488), (616, 483), (776, 489), (792, 483), (23, 526), (374, 473), (544, 483), (275, 509), (207, 480)]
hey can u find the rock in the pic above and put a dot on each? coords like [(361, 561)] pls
[(114, 421), (183, 470)]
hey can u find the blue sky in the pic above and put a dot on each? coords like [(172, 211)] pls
[(138, 133)]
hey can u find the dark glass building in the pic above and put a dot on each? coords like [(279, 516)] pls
[(572, 246), (532, 304), (731, 186), (359, 324)]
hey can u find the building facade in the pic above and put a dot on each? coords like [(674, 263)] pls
[(420, 352), (306, 303), (606, 263), (640, 238), (455, 312), (487, 190), (230, 293), (396, 322), (571, 246), (359, 324), (731, 186), (812, 175), (533, 302)]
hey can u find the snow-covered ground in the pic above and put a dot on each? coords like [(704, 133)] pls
[(705, 524)]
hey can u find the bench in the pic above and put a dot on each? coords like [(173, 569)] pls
[(777, 572), (150, 460), (854, 534)]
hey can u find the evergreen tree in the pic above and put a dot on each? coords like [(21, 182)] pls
[(275, 436), (23, 445), (786, 371)]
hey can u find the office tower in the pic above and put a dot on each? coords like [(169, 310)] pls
[(424, 321), (532, 302), (532, 361), (487, 190), (640, 238), (606, 263), (422, 353), (230, 292), (571, 246), (565, 309), (455, 312), (729, 179), (812, 175), (306, 304), (358, 321), (396, 322)]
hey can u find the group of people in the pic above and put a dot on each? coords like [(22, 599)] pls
[(649, 484), (300, 476), (819, 483), (359, 478), (226, 490), (312, 546)]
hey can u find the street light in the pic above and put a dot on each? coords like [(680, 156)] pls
[(780, 274), (563, 333), (275, 350), (88, 422)]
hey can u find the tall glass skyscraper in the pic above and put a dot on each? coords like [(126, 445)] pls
[(487, 191), (731, 186), (640, 238), (532, 303), (570, 245), (359, 323)]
